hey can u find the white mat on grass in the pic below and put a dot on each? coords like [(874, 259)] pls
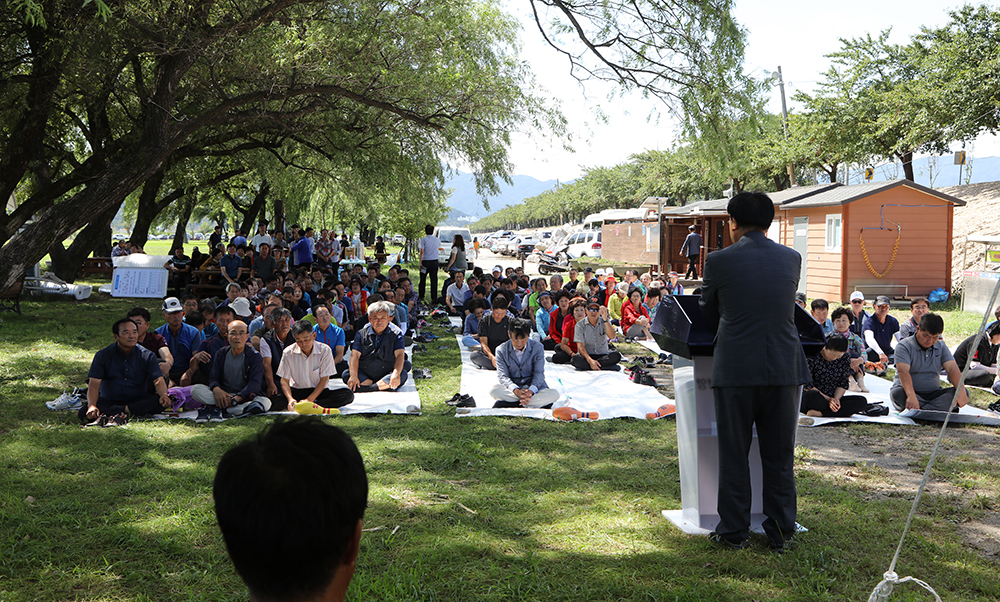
[(880, 394), (610, 394), (404, 401)]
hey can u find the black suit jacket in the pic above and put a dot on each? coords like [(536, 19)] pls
[(748, 297)]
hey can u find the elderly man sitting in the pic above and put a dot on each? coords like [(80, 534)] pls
[(119, 380), (305, 370), (521, 371), (378, 362), (236, 380), (919, 361)]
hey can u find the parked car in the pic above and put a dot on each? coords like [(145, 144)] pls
[(525, 247), (585, 243), (398, 239), (447, 236)]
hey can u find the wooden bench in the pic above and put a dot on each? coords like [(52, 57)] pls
[(213, 289), (10, 299), (96, 265)]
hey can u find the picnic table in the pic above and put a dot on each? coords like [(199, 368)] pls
[(197, 287), (96, 265)]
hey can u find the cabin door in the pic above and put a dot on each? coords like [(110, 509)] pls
[(801, 244)]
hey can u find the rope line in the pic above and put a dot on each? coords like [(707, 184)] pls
[(884, 588), (892, 259)]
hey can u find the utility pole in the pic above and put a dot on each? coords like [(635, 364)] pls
[(784, 124)]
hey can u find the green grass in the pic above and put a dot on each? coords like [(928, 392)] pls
[(485, 509)]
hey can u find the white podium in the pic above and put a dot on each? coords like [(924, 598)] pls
[(680, 327)]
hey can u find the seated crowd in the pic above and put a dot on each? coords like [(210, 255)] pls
[(916, 349)]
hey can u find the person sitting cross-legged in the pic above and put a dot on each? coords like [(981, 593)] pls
[(494, 329), (119, 380), (919, 361), (313, 477), (983, 371), (378, 360), (568, 347), (521, 371), (830, 369), (305, 371), (591, 335), (635, 317), (235, 384)]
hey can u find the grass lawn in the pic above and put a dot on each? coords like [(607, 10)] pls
[(460, 509)]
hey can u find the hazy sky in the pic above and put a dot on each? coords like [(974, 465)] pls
[(794, 35)]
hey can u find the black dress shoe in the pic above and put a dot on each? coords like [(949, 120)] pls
[(732, 545)]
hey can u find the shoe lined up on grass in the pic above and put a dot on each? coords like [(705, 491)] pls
[(66, 401)]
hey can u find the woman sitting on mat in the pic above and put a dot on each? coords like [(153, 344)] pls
[(615, 302), (635, 317), (567, 345), (842, 318), (825, 395), (556, 318)]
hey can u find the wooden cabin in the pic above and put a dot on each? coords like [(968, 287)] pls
[(883, 238)]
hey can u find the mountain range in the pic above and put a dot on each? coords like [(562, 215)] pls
[(467, 206)]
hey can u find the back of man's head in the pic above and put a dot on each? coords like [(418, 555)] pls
[(297, 491), (751, 210), (931, 323)]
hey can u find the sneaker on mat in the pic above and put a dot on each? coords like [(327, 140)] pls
[(215, 414), (255, 408), (204, 412)]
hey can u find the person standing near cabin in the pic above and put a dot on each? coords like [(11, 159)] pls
[(692, 250), (759, 367)]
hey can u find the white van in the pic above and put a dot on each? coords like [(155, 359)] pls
[(447, 234)]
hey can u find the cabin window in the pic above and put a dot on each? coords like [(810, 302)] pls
[(833, 233)]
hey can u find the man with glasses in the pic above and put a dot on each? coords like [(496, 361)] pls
[(878, 332), (591, 337), (235, 382), (860, 315)]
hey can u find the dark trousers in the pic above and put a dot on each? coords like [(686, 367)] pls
[(482, 360), (977, 377), (179, 281), (775, 412), (374, 376), (939, 400), (606, 361), (873, 357), (328, 398), (548, 344), (692, 272), (432, 271), (561, 357), (849, 404), (141, 406)]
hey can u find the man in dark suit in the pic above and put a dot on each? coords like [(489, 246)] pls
[(692, 250), (748, 297)]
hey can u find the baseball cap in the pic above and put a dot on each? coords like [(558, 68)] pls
[(857, 295), (497, 268), (882, 300), (600, 272), (544, 294), (588, 269), (241, 307), (172, 305), (593, 303), (672, 274), (801, 297)]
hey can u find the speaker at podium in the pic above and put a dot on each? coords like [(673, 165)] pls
[(680, 328)]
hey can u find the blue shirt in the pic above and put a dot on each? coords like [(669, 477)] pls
[(231, 265), (124, 378), (542, 322), (332, 336), (471, 325), (239, 240), (882, 332), (182, 346), (210, 330), (302, 251)]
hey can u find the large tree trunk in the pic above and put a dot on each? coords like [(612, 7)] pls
[(180, 233), (95, 238), (249, 226), (148, 209), (278, 221)]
